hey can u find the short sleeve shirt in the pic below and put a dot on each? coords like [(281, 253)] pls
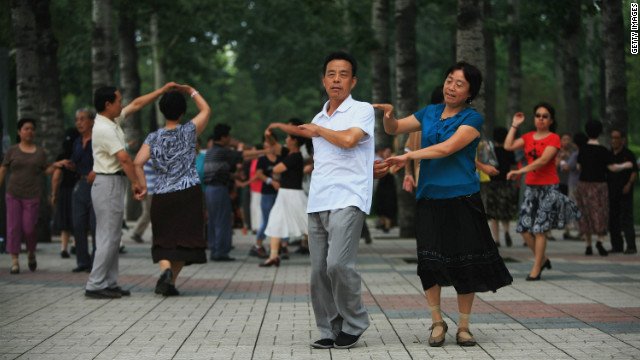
[(173, 153), (533, 149), (454, 175), (292, 178), (219, 163), (107, 141), (593, 160), (343, 177), (26, 170), (267, 166), (82, 156)]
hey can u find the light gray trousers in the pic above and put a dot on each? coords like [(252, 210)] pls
[(107, 195), (335, 284)]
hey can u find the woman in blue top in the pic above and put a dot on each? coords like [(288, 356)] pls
[(177, 209), (455, 246)]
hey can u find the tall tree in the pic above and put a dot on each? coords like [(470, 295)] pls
[(380, 69), (129, 87), (406, 95), (588, 68), (490, 73), (614, 66), (570, 41), (51, 121), (470, 42), (27, 65), (158, 69), (101, 47), (515, 71)]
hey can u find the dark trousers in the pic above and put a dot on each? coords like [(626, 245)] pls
[(621, 221), (84, 219), (219, 220)]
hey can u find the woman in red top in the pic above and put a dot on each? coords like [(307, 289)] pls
[(544, 207)]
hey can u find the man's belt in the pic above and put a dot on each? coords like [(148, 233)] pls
[(119, 173)]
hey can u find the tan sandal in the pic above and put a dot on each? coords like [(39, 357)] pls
[(468, 342), (439, 340)]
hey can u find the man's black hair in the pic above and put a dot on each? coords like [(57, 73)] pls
[(220, 131), (340, 55), (102, 95)]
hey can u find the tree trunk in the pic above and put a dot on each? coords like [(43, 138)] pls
[(27, 62), (381, 73), (490, 75), (51, 124), (515, 71), (130, 89), (470, 43), (571, 67), (101, 48), (588, 70), (406, 98), (158, 73), (616, 116)]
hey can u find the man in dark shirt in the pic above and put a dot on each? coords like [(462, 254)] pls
[(621, 196), (82, 212), (220, 166)]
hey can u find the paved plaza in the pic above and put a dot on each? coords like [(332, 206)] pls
[(584, 308)]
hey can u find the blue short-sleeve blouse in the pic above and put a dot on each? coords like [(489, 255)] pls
[(454, 175)]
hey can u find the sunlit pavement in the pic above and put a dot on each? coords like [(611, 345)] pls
[(585, 307)]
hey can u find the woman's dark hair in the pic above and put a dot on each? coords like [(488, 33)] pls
[(437, 97), (580, 139), (102, 95), (340, 56), (21, 123), (593, 129), (552, 113), (499, 134), (471, 74), (301, 141), (173, 105)]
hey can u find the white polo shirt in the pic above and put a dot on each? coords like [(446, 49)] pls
[(107, 140), (343, 177)]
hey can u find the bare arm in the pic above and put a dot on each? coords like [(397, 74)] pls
[(548, 154), (393, 126), (291, 129), (55, 182), (127, 166), (510, 143), (144, 100), (202, 119), (250, 154), (142, 157), (279, 168), (3, 174), (272, 141), (347, 139)]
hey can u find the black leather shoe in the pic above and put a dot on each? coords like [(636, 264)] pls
[(546, 265), (346, 341), (33, 266), (14, 271), (171, 291), (630, 251), (529, 278), (122, 291), (323, 343), (601, 249), (164, 281), (82, 269), (102, 294), (223, 258)]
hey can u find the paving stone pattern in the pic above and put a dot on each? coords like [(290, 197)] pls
[(584, 308)]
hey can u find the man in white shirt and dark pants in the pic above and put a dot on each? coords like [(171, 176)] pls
[(112, 166), (339, 199)]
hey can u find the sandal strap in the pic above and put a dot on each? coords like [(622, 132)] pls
[(441, 324), (464, 329)]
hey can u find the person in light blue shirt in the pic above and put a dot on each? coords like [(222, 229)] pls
[(455, 245)]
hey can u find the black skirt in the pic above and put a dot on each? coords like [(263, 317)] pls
[(177, 223), (455, 246)]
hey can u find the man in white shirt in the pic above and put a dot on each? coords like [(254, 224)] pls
[(112, 166), (339, 198)]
